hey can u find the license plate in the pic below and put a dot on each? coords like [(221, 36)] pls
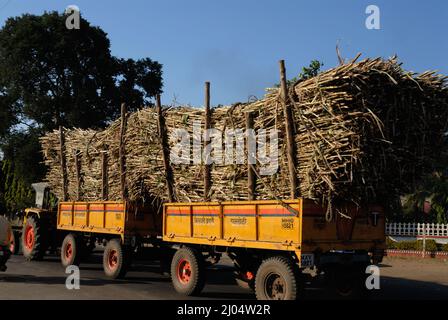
[(307, 260)]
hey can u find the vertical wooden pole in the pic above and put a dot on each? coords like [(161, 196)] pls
[(251, 178), (122, 152), (104, 177), (289, 131), (78, 176), (63, 164), (207, 175), (165, 150)]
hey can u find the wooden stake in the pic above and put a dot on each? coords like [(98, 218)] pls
[(104, 177), (165, 150), (251, 178), (207, 175), (122, 152), (289, 131), (78, 176), (63, 164)]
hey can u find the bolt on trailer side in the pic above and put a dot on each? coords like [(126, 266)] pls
[(121, 225)]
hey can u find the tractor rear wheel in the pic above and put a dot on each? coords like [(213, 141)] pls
[(116, 259), (70, 251), (33, 239), (188, 271)]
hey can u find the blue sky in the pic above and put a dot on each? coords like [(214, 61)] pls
[(237, 44)]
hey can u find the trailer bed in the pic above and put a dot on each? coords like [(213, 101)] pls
[(108, 217), (293, 225)]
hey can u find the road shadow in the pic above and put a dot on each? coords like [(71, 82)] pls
[(56, 280)]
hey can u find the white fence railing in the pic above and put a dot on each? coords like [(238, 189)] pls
[(417, 229)]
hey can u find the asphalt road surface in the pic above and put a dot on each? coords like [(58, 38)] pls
[(400, 279)]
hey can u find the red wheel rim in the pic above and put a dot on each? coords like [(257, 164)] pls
[(112, 259), (29, 237), (184, 271), (68, 251), (12, 243)]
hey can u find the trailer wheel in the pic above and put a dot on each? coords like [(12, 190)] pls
[(188, 271), (70, 251), (349, 283), (116, 259), (14, 244), (276, 280), (33, 241)]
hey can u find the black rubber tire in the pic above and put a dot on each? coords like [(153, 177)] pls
[(122, 261), (196, 281), (15, 242), (76, 251), (280, 268), (39, 247), (349, 282)]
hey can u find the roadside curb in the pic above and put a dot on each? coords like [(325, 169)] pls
[(416, 254)]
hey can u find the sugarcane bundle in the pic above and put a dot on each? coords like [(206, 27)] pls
[(362, 131)]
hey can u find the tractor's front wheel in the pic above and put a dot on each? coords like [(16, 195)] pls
[(33, 239)]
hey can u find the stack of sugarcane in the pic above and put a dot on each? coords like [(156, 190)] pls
[(361, 131)]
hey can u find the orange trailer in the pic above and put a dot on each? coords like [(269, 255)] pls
[(121, 225), (273, 242)]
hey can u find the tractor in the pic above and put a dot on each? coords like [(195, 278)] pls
[(39, 232)]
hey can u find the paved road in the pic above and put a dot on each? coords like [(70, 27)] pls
[(400, 279)]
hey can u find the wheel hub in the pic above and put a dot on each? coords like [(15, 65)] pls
[(275, 287), (184, 271), (68, 251), (113, 259)]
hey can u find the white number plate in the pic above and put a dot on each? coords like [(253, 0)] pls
[(307, 260)]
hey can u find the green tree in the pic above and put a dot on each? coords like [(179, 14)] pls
[(434, 190), (15, 193), (52, 76), (312, 70), (56, 76)]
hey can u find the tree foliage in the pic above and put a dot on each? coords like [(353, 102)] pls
[(312, 70), (52, 76), (15, 192), (56, 76), (433, 190)]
